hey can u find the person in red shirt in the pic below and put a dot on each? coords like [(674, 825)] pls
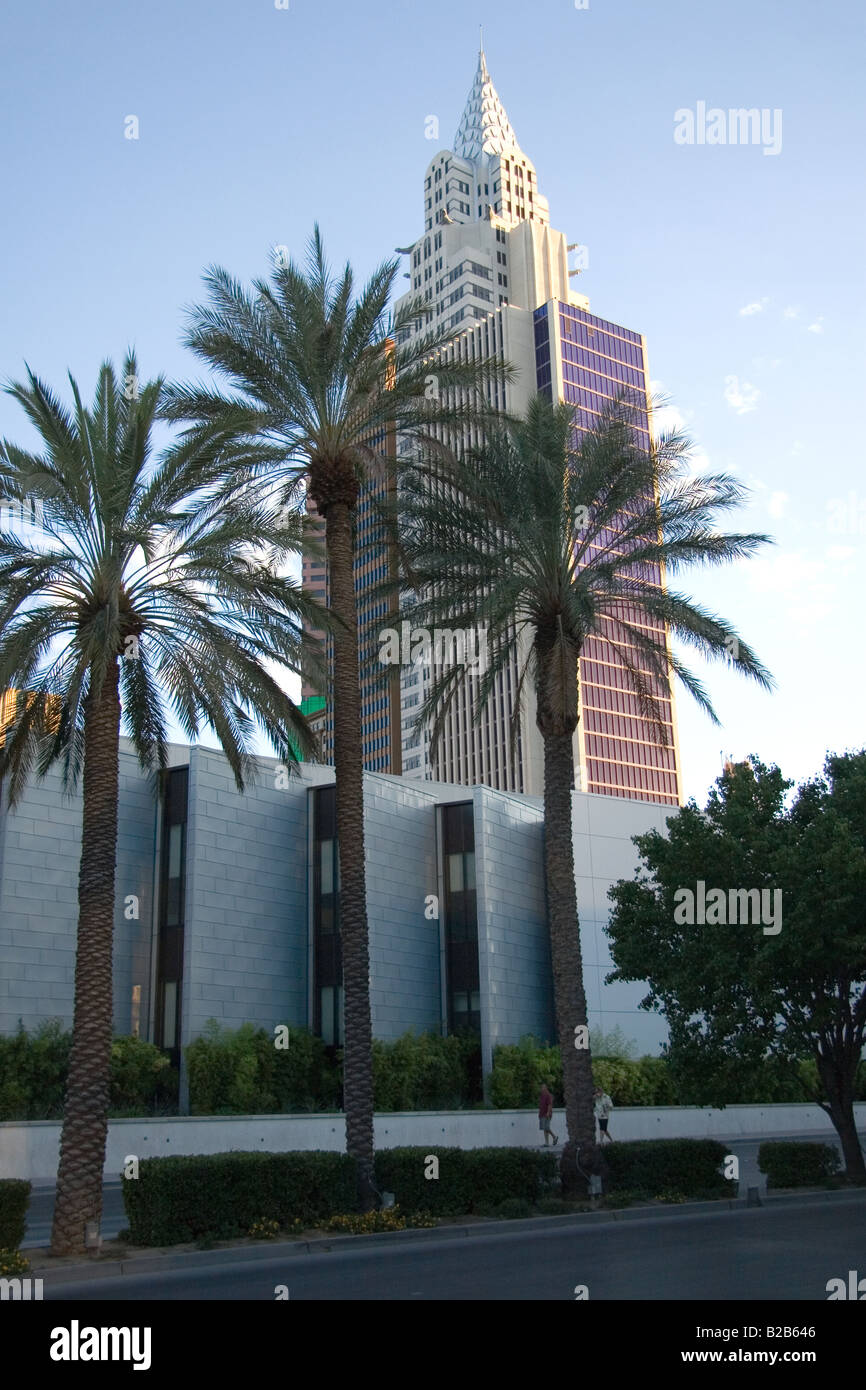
[(545, 1115)]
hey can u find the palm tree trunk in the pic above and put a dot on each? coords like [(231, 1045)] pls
[(85, 1114), (349, 768), (568, 990)]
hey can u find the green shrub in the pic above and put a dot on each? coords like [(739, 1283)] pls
[(667, 1165), (617, 1200), (612, 1044), (33, 1069), (657, 1080), (389, 1219), (554, 1206), (265, 1229), (793, 1164), (427, 1072), (221, 1196), (519, 1070), (140, 1073), (514, 1209), (623, 1081), (777, 1081), (14, 1198), (469, 1179), (240, 1071), (13, 1265)]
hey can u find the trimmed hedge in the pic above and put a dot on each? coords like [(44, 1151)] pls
[(793, 1164), (14, 1198), (689, 1167), (221, 1196), (469, 1179)]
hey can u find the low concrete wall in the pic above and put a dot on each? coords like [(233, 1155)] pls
[(30, 1149)]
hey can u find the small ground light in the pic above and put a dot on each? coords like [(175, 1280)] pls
[(387, 1199), (753, 1197), (595, 1185), (92, 1238)]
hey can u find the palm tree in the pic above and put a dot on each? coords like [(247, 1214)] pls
[(322, 375), (129, 586), (547, 538)]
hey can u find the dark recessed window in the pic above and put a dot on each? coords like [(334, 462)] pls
[(327, 955), (461, 918), (172, 892)]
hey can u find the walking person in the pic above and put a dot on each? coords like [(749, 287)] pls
[(545, 1115), (602, 1108)]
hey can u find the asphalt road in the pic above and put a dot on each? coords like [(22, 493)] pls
[(785, 1252)]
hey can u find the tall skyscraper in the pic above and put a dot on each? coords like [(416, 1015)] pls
[(489, 266)]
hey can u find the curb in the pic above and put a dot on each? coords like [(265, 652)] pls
[(488, 1227)]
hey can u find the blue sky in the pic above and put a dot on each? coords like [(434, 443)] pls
[(744, 270)]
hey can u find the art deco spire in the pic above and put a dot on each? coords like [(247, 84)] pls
[(484, 127)]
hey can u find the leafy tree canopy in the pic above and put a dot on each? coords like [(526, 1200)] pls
[(735, 992)]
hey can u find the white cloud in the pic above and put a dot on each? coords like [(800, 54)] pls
[(792, 312), (666, 416), (756, 307), (817, 326), (699, 463), (741, 399), (764, 496)]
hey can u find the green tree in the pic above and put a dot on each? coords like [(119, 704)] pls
[(545, 538), (329, 382), (128, 586), (737, 994)]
